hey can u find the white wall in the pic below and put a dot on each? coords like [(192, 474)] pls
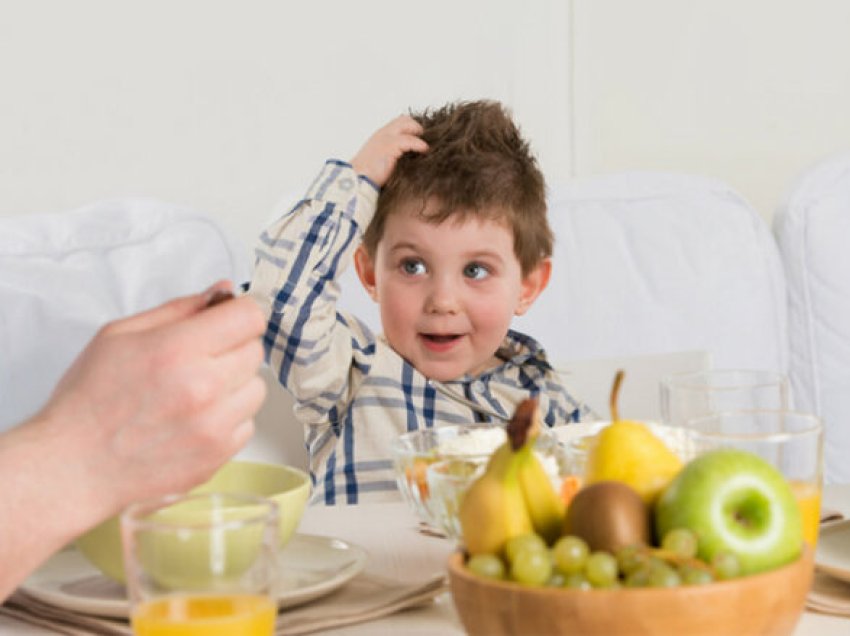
[(229, 106), (750, 92)]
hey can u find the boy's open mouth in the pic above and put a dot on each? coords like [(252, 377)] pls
[(441, 338)]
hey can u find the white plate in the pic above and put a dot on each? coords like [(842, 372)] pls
[(310, 566), (833, 552)]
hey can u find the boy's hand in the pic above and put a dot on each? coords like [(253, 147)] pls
[(378, 156)]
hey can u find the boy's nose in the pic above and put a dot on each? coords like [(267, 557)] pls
[(442, 298)]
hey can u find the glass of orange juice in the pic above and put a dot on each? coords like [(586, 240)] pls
[(791, 441), (203, 564)]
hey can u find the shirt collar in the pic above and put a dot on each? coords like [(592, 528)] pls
[(516, 350)]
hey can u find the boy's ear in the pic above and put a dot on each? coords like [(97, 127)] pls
[(365, 271), (533, 284)]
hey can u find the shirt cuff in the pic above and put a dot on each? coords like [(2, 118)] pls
[(338, 183)]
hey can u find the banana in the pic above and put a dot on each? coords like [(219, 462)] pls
[(493, 509), (514, 495), (545, 507)]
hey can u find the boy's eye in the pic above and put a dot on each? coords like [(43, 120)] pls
[(476, 271), (413, 267)]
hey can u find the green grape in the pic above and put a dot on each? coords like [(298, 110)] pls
[(528, 540), (638, 577), (726, 565), (531, 566), (556, 580), (601, 569), (487, 565), (694, 575), (656, 562), (681, 542), (577, 581), (630, 558), (663, 576), (570, 554)]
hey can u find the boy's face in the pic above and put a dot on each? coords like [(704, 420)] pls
[(447, 292)]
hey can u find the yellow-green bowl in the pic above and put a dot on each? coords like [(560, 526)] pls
[(289, 487)]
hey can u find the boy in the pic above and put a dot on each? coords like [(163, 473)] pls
[(455, 246)]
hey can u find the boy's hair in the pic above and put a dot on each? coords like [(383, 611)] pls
[(477, 164)]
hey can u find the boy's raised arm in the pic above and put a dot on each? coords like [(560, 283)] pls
[(301, 257)]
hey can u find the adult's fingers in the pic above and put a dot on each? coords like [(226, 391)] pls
[(229, 419), (238, 365), (169, 312), (222, 327), (242, 434)]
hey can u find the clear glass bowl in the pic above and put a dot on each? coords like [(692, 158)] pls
[(448, 481), (434, 467)]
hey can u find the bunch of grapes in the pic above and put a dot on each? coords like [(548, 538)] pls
[(570, 563)]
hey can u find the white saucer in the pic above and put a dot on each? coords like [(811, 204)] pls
[(310, 566), (833, 552)]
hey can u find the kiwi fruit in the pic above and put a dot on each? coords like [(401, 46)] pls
[(608, 515)]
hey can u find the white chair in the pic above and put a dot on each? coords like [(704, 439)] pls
[(650, 263), (812, 229)]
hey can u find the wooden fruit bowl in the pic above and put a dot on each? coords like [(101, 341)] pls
[(766, 604)]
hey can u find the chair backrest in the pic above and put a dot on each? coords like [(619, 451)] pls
[(63, 275), (812, 229), (649, 263)]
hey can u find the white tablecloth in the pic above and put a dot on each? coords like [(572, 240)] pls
[(396, 549)]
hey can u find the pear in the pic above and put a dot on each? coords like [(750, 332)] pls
[(628, 452)]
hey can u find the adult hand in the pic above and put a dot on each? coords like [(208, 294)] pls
[(158, 401), (378, 156), (154, 404)]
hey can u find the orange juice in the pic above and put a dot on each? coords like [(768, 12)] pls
[(245, 615), (808, 498)]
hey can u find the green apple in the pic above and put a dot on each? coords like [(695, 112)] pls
[(736, 502)]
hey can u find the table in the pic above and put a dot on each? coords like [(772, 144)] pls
[(396, 549)]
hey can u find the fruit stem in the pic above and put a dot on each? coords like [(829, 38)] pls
[(522, 425), (615, 392)]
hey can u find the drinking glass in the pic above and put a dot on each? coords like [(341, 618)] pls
[(685, 396), (203, 564), (790, 441)]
